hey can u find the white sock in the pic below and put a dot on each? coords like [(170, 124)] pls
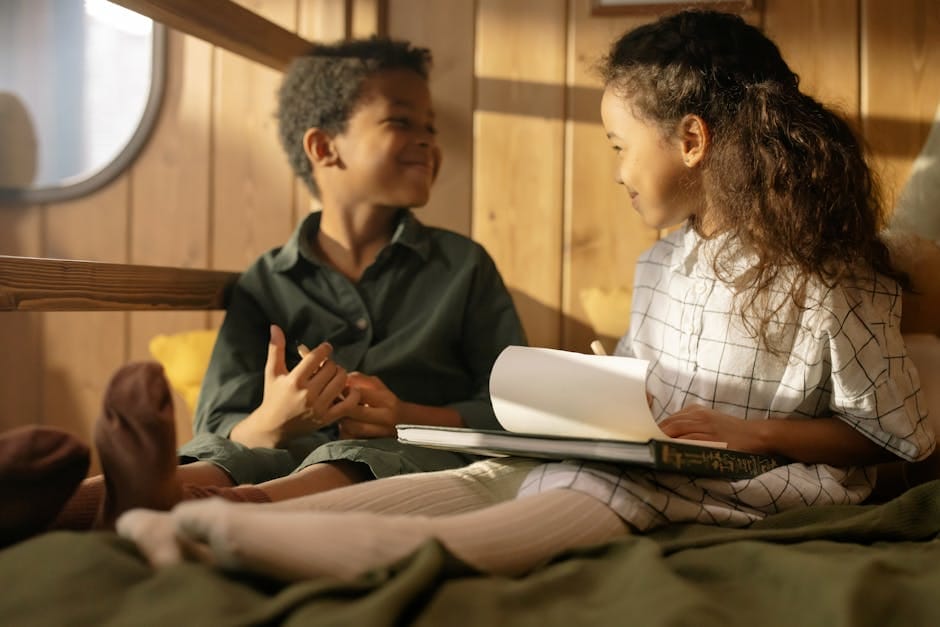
[(509, 538), (154, 533), (292, 545)]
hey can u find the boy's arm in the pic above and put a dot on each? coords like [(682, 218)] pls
[(233, 385), (380, 411)]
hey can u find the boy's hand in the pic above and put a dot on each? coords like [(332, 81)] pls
[(297, 401), (695, 422), (377, 413)]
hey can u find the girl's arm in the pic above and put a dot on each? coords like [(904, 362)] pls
[(810, 441)]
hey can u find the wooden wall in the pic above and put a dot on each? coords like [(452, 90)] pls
[(527, 170)]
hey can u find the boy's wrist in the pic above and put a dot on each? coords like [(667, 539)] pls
[(248, 434)]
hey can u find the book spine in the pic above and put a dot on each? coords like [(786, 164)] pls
[(710, 462)]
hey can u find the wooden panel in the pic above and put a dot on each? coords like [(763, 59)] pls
[(228, 25), (518, 156), (368, 17), (251, 181), (80, 351), (603, 235), (20, 332), (322, 21), (900, 82), (170, 186), (819, 40), (446, 28)]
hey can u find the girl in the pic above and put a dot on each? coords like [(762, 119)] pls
[(770, 319)]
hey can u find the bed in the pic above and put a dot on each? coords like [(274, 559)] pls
[(875, 564)]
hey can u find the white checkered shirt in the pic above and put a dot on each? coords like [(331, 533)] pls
[(846, 358)]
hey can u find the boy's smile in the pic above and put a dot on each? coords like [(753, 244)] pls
[(388, 154)]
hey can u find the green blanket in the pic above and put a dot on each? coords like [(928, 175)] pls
[(828, 566)]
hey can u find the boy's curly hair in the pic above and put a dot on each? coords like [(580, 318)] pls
[(785, 176), (322, 88)]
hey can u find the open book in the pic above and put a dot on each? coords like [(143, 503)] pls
[(558, 405)]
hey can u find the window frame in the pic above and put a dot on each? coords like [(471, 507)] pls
[(18, 196)]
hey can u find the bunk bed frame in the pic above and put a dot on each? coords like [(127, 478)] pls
[(858, 565)]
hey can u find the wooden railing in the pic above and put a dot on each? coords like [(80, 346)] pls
[(33, 284), (228, 25)]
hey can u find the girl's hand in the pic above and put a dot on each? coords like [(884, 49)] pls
[(297, 401), (695, 422), (378, 411)]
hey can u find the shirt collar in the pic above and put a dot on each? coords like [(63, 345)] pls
[(688, 249), (408, 232)]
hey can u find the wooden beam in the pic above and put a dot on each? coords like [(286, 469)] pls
[(228, 25), (34, 284)]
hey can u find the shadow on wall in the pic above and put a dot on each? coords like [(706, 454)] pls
[(18, 146), (548, 327)]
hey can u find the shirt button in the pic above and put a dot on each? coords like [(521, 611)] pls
[(362, 324)]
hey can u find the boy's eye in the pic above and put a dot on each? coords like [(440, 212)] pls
[(432, 129)]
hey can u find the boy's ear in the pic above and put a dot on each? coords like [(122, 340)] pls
[(694, 138), (320, 147)]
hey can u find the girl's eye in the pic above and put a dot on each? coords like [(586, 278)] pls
[(402, 122)]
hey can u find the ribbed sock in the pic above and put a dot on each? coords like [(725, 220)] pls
[(237, 494), (509, 538)]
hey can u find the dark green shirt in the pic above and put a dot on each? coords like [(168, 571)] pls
[(428, 317)]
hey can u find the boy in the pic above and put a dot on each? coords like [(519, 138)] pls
[(405, 320)]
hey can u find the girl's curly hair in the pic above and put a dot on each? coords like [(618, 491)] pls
[(785, 176)]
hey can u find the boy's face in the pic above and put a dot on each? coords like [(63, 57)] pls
[(388, 152)]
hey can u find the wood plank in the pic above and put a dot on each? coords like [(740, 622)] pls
[(320, 21), (81, 350), (228, 25), (518, 158), (169, 207), (819, 41), (252, 184), (368, 17), (446, 28), (603, 235), (20, 332), (900, 83), (42, 284)]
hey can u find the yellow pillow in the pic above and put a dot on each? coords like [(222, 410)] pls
[(185, 357)]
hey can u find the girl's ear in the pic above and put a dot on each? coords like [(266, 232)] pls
[(320, 148), (694, 139)]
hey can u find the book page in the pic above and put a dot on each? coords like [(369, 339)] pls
[(555, 392)]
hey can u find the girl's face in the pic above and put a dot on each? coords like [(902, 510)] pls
[(663, 182)]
